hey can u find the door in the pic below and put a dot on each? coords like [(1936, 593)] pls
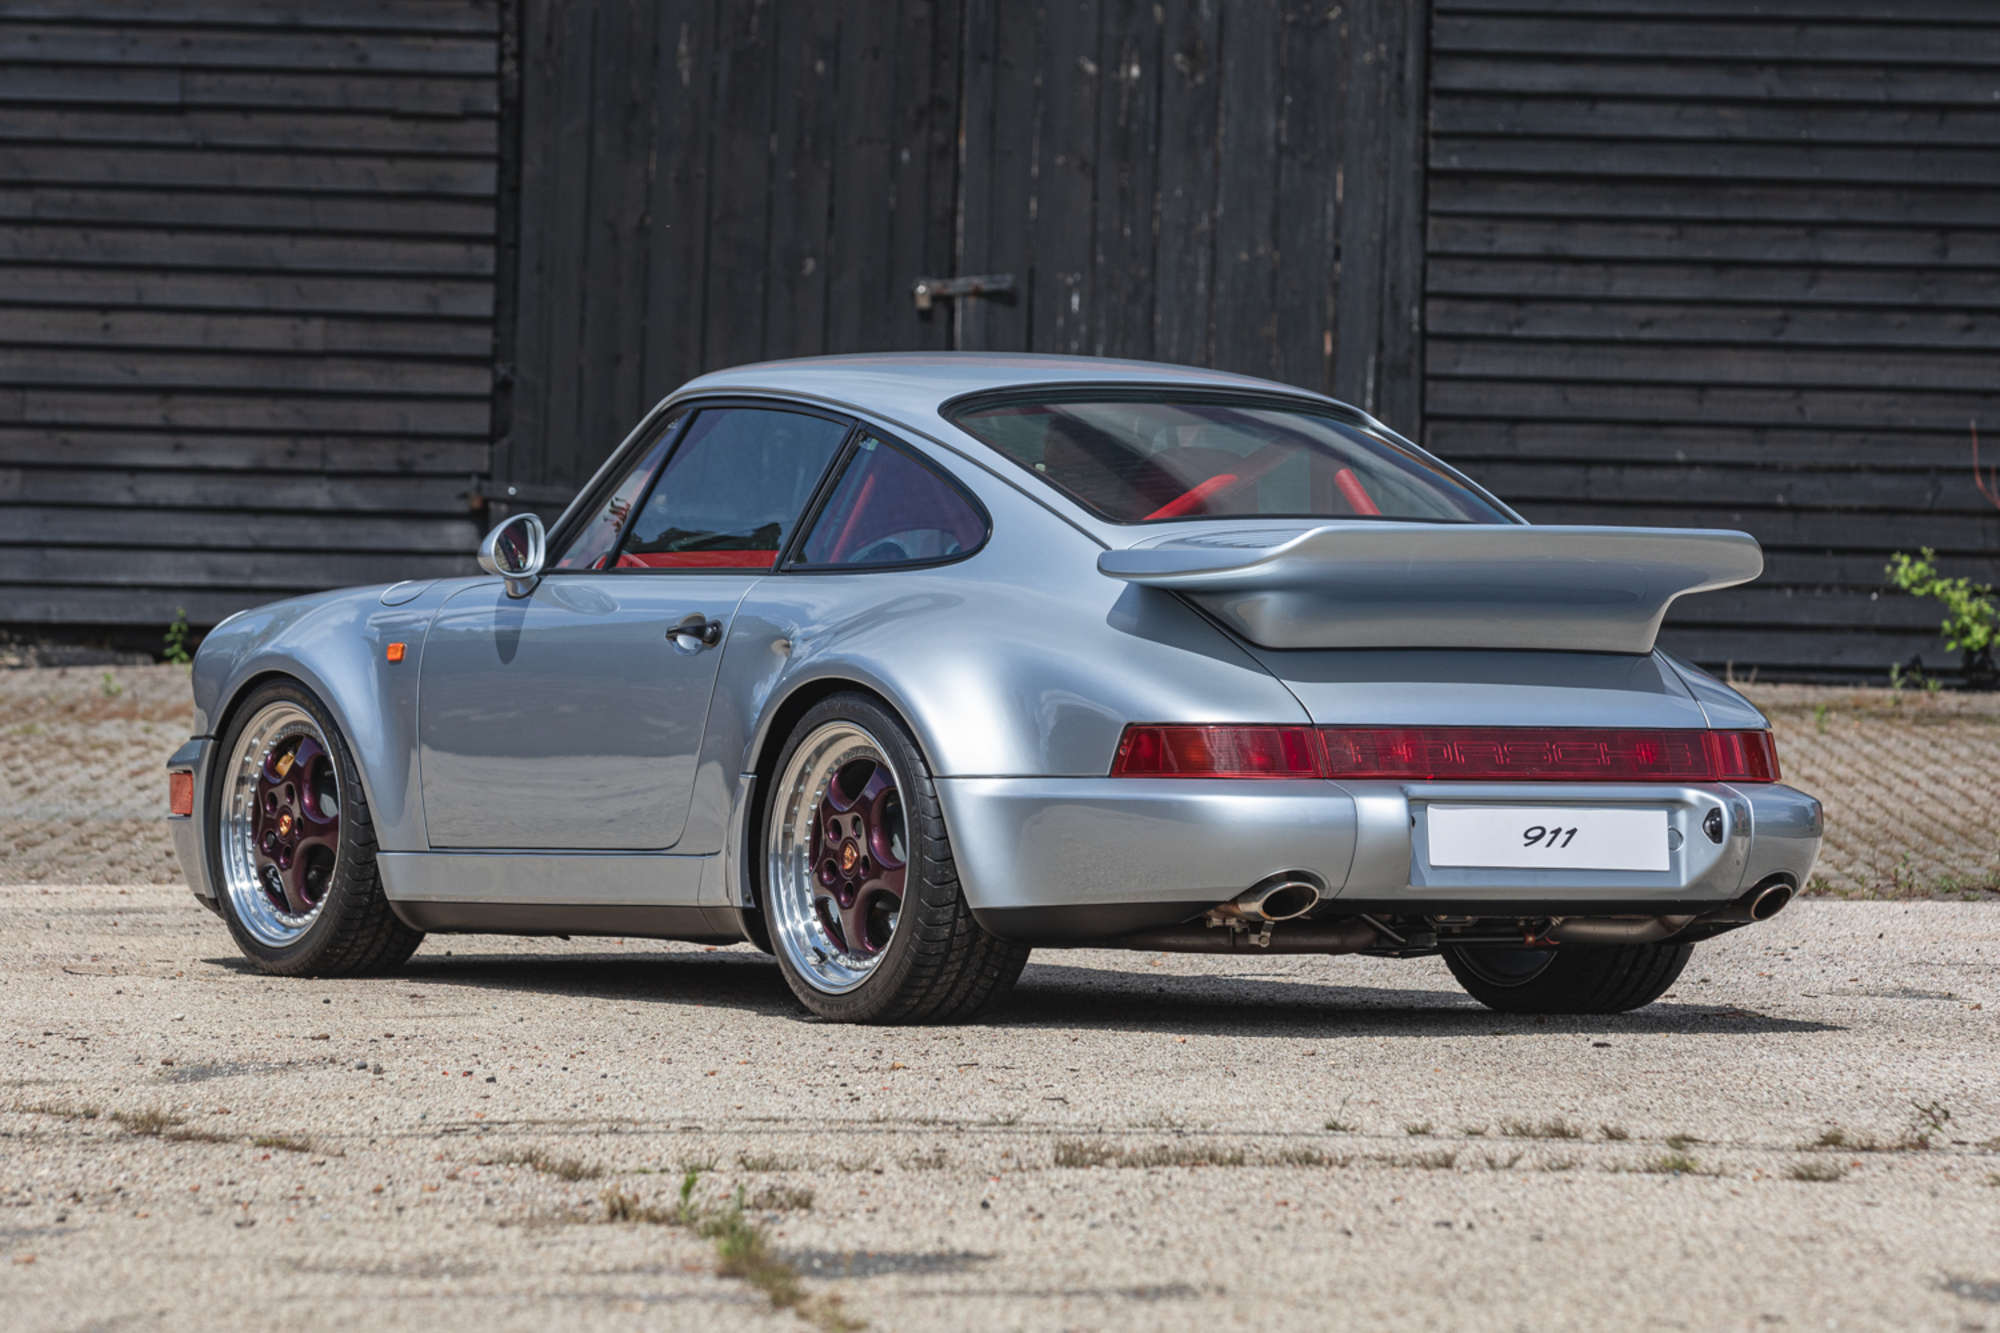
[(572, 718)]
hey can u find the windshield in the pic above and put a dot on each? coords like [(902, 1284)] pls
[(1146, 459)]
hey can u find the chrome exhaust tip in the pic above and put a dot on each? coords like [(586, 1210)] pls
[(1279, 898), (1770, 900)]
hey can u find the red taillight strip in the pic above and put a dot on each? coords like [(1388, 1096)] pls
[(1219, 752), (1448, 754)]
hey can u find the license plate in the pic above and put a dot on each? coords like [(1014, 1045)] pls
[(1533, 837)]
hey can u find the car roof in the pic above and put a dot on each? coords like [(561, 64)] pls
[(912, 386)]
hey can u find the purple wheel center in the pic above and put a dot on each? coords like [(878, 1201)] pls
[(857, 858), (295, 824)]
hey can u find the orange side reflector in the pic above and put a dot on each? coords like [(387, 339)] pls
[(395, 652), (180, 793)]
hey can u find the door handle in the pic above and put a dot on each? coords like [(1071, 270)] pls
[(696, 632)]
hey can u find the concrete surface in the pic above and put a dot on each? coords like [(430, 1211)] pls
[(1438, 1198)]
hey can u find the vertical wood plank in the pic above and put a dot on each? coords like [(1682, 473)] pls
[(1363, 215), (1128, 146), (1246, 203), (863, 194), (610, 377), (1404, 180), (806, 135), (1190, 117), (923, 224), (1062, 300), (997, 188), (573, 33), (1309, 176), (677, 204), (740, 200), (518, 453)]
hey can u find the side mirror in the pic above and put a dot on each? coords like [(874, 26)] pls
[(515, 551)]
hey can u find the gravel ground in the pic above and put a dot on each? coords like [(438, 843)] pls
[(1913, 809), (188, 1141)]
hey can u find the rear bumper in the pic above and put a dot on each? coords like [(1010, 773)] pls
[(1154, 846), (190, 846)]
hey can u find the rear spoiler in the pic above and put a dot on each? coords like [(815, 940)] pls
[(1442, 585)]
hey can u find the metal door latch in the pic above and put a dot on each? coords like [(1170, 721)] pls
[(695, 633), (928, 290)]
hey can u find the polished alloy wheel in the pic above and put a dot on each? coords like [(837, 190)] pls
[(280, 824), (837, 857)]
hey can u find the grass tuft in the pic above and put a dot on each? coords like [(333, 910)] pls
[(283, 1142), (742, 1249), (562, 1168), (764, 1162), (1555, 1128), (1083, 1153), (152, 1122), (1671, 1164), (780, 1199)]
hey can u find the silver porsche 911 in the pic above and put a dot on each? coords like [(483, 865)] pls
[(898, 666)]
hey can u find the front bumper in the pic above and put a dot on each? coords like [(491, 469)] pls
[(190, 846), (1032, 844)]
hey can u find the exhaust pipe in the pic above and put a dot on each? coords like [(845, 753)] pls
[(1279, 898), (1309, 937), (1760, 904), (1769, 901), (1613, 930)]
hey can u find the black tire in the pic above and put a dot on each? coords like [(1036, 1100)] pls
[(356, 932), (1574, 979), (940, 965)]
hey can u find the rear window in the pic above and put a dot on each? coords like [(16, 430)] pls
[(1150, 459)]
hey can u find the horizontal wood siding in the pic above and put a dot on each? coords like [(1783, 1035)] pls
[(246, 299), (1693, 262)]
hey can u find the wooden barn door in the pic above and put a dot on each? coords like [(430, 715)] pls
[(701, 184), (1223, 185)]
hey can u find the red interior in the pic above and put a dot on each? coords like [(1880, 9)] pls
[(697, 560)]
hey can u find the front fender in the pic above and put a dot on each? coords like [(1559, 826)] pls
[(335, 644)]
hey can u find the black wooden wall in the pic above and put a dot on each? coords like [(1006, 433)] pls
[(282, 282), (246, 299), (1708, 263), (1188, 180)]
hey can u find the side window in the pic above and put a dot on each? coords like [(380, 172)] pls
[(596, 539), (732, 490), (891, 509)]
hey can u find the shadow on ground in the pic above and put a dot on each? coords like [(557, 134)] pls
[(1070, 996)]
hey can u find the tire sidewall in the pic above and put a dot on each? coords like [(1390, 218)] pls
[(354, 860), (876, 996)]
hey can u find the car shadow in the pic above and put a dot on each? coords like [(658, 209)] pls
[(1063, 995), (1075, 997)]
